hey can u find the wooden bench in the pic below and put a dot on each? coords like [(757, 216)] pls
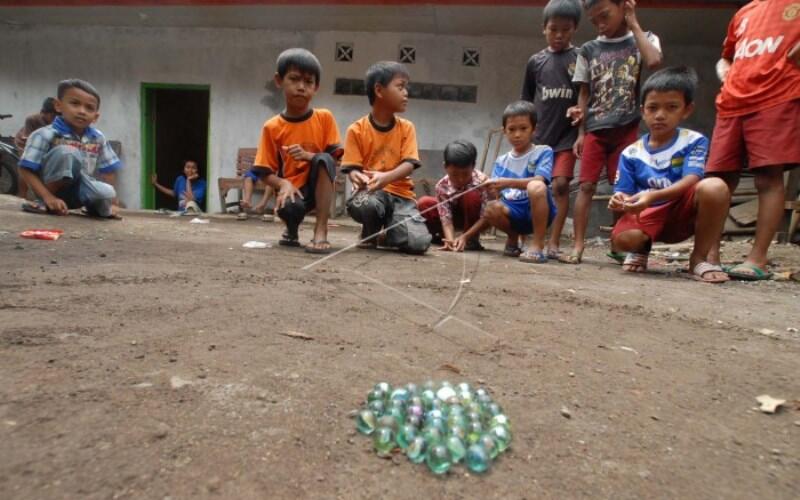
[(244, 161)]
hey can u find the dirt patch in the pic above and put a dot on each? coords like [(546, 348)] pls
[(148, 359)]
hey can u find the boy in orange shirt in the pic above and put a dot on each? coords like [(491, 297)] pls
[(380, 154), (297, 152), (758, 116)]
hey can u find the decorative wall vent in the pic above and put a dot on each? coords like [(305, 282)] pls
[(408, 54), (471, 57), (344, 52)]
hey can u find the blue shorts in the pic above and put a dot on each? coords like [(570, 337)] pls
[(519, 213)]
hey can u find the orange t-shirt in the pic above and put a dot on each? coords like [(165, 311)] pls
[(368, 146), (316, 132), (759, 37)]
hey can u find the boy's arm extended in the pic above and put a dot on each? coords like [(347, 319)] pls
[(578, 115), (54, 204), (379, 180), (651, 54)]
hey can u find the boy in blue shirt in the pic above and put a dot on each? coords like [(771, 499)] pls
[(189, 188), (60, 160), (660, 187), (525, 205)]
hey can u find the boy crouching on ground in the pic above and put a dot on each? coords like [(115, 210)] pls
[(660, 186), (525, 205), (380, 153), (460, 199), (297, 151), (60, 159)]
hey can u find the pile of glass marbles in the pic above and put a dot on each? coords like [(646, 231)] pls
[(439, 424)]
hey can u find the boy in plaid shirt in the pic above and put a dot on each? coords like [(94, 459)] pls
[(60, 159)]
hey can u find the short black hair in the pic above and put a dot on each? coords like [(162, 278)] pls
[(520, 108), (566, 9), (300, 59), (460, 154), (382, 73), (588, 4), (678, 78), (75, 83), (49, 105)]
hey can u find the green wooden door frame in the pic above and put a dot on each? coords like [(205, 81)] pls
[(148, 139)]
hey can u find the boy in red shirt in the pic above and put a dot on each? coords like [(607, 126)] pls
[(758, 115)]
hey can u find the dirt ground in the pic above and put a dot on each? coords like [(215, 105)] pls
[(147, 359)]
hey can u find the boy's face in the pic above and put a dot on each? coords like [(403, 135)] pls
[(459, 176), (394, 95), (78, 108), (608, 17), (190, 169), (298, 88), (519, 132), (664, 111), (558, 32), (49, 117)]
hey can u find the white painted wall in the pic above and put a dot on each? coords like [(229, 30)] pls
[(237, 64)]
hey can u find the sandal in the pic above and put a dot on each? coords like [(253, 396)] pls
[(573, 258), (748, 272), (288, 240), (633, 259), (700, 270), (533, 257), (553, 253), (512, 251), (314, 247), (617, 256), (34, 207), (241, 216)]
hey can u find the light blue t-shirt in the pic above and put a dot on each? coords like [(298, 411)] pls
[(537, 161), (642, 169)]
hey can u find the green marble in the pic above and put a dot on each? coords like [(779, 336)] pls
[(366, 422), (438, 458)]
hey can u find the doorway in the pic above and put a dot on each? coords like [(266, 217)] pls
[(175, 120)]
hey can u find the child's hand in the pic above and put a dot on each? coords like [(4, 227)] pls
[(56, 206), (575, 113), (459, 244), (245, 204), (794, 54), (154, 179), (378, 181), (359, 179), (193, 177), (629, 9), (617, 202), (636, 204), (287, 190), (447, 246), (577, 148), (298, 153), (492, 186)]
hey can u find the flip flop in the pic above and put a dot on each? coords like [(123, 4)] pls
[(703, 268), (553, 253), (512, 251), (34, 207), (241, 216), (533, 257), (573, 258), (311, 248), (756, 273), (617, 256), (288, 240), (85, 213), (635, 259)]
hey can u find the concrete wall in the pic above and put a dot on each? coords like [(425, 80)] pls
[(238, 64)]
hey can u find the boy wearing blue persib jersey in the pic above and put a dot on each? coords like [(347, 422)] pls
[(520, 178), (660, 187)]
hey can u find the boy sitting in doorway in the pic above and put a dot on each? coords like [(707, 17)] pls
[(460, 198), (659, 188), (380, 154), (297, 152), (60, 159), (525, 204), (189, 188)]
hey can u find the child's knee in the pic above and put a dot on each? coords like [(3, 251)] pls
[(713, 190), (365, 206), (630, 241), (560, 187), (536, 189), (495, 211), (588, 187), (768, 178), (292, 212)]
